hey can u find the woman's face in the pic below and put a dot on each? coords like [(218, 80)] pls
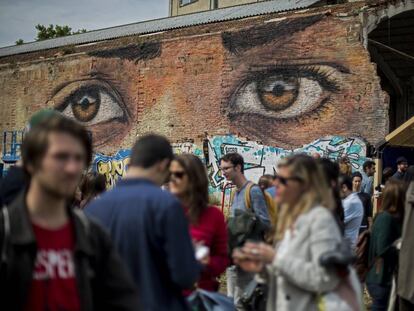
[(289, 189), (179, 179)]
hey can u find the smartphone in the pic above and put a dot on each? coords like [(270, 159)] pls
[(201, 252)]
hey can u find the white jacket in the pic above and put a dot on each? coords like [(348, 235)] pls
[(295, 278)]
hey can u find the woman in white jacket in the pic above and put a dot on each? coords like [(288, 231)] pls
[(306, 229)]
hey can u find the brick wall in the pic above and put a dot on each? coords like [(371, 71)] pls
[(282, 79)]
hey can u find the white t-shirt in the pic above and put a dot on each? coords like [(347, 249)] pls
[(354, 212)]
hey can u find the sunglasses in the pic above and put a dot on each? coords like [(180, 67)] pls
[(177, 175), (284, 180)]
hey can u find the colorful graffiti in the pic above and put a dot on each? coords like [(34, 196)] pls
[(187, 147), (259, 159), (113, 167), (335, 147)]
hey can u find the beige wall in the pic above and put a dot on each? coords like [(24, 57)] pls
[(203, 5), (198, 6), (227, 3)]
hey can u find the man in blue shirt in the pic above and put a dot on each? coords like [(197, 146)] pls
[(232, 167), (149, 228), (353, 210), (367, 185)]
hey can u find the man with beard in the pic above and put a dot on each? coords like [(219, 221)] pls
[(52, 257)]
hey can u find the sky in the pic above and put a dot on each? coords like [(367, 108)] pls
[(19, 17)]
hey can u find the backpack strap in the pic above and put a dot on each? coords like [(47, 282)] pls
[(84, 220), (232, 194), (247, 199)]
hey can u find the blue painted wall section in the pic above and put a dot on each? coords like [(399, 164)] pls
[(12, 141)]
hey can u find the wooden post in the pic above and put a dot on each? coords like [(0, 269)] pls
[(377, 181)]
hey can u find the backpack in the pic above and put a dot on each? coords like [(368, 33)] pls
[(245, 225)]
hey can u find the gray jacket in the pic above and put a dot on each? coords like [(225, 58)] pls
[(296, 277), (406, 270)]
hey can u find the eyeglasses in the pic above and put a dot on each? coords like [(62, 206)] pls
[(284, 180), (223, 169), (177, 175)]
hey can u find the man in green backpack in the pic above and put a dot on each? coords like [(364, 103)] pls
[(249, 219)]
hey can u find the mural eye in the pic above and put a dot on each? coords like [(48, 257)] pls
[(97, 104), (278, 92), (285, 92), (90, 102)]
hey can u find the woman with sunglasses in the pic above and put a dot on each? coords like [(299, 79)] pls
[(305, 231), (208, 230)]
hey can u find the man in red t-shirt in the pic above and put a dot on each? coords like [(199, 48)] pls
[(54, 283), (56, 258)]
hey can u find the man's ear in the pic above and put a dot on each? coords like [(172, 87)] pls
[(30, 169)]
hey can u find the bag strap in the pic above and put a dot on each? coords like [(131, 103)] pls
[(84, 220), (247, 198), (232, 194)]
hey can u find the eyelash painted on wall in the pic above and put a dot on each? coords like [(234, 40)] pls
[(240, 41), (324, 74), (284, 93), (135, 52)]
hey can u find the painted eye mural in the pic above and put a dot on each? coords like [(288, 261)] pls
[(96, 104), (285, 92), (100, 100), (92, 102)]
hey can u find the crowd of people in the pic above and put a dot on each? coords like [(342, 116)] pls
[(306, 238)]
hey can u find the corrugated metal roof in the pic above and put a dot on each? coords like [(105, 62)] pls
[(163, 24)]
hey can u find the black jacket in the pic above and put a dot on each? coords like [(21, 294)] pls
[(366, 203), (103, 283)]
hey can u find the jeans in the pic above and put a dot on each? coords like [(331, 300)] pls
[(237, 280), (380, 296)]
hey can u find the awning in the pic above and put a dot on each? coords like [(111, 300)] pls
[(402, 136)]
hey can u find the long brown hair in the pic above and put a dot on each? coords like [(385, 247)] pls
[(316, 191), (197, 192), (393, 198)]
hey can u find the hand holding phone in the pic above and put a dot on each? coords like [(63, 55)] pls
[(202, 253)]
